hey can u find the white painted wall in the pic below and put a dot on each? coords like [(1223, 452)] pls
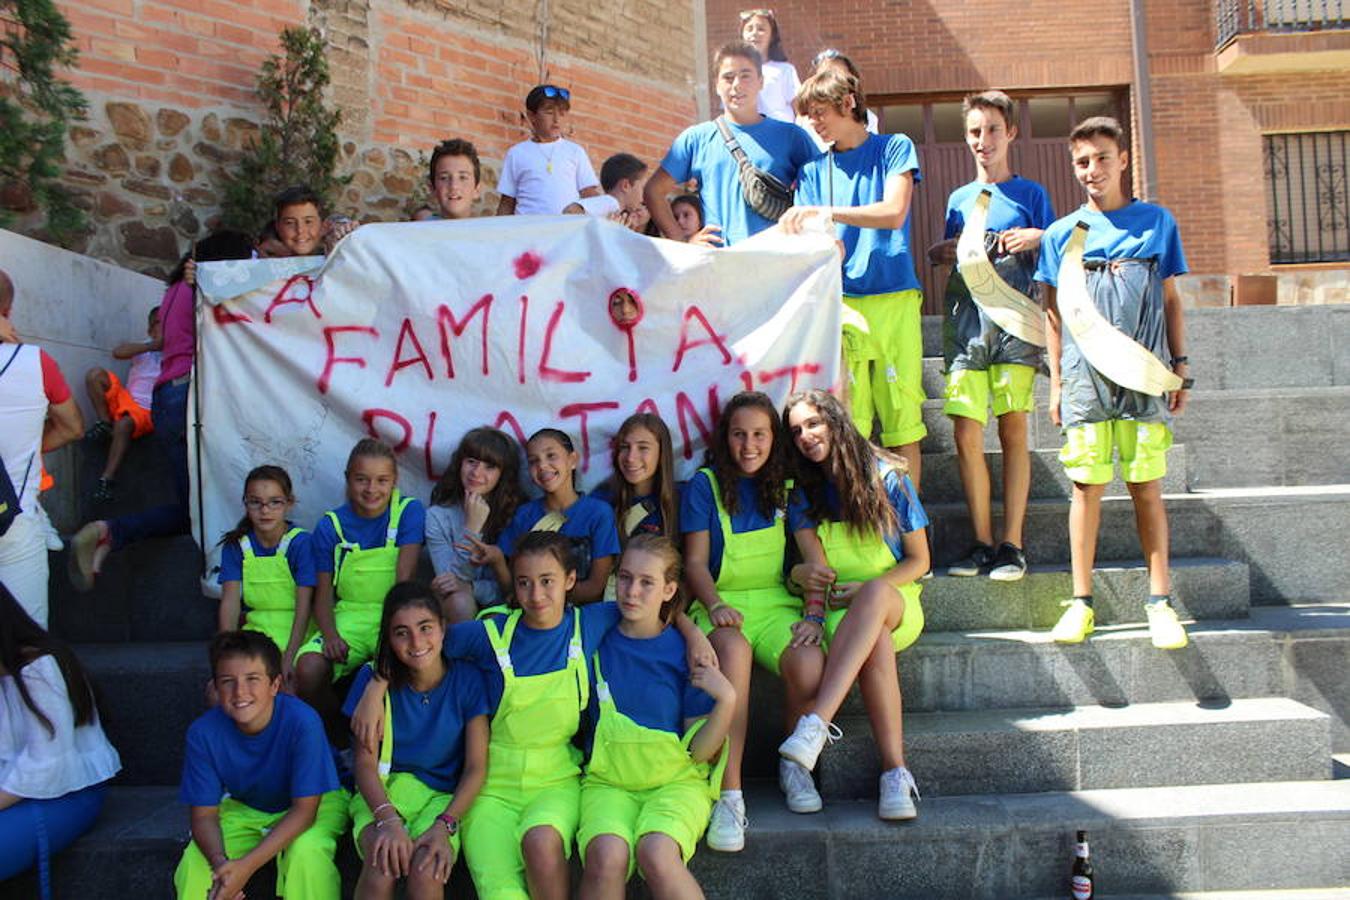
[(77, 309)]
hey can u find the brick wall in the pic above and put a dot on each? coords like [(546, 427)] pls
[(170, 88), (1207, 126)]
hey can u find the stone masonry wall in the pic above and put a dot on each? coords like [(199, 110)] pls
[(171, 104)]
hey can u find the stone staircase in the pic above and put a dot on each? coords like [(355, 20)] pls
[(1201, 772)]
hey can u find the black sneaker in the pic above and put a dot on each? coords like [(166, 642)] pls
[(103, 492), (976, 561), (1009, 564)]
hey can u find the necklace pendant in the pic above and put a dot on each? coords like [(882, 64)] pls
[(550, 167)]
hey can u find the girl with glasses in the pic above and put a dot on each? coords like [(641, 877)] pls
[(267, 567)]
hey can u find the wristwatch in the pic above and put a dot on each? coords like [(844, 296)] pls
[(450, 822)]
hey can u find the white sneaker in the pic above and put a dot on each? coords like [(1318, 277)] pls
[(895, 801), (726, 827), (803, 746), (796, 784)]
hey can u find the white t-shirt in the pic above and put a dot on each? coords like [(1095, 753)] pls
[(780, 89), (600, 207), (142, 376), (40, 765), (544, 178)]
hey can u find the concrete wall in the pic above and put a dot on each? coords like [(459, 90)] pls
[(170, 87), (112, 302)]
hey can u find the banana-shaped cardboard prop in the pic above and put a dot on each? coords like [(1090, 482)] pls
[(1114, 354), (1009, 308)]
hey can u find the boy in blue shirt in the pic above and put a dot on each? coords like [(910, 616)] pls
[(700, 152), (985, 364), (1132, 257), (260, 781), (868, 182)]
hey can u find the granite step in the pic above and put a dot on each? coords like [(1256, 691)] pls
[(1286, 535), (1090, 747), (1146, 842)]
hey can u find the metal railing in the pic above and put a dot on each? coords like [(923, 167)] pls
[(1235, 17), (1308, 196)]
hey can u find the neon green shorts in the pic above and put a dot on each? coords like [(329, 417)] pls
[(885, 366), (769, 616), (678, 810), (359, 626), (1089, 451), (305, 869), (905, 634), (416, 803), (495, 825), (1009, 386)]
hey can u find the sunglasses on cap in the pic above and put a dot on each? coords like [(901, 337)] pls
[(827, 53), (751, 13), (553, 92)]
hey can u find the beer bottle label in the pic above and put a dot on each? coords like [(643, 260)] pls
[(1081, 887)]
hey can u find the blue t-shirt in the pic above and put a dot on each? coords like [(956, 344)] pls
[(588, 522), (876, 260), (654, 523), (429, 728), (299, 556), (1016, 203), (900, 491), (1137, 230), (533, 652), (266, 771), (368, 533), (779, 148), (649, 680), (698, 512)]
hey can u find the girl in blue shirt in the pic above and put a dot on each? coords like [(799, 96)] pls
[(268, 562), (361, 550), (734, 546), (587, 521), (657, 726), (432, 759), (858, 524), (642, 490)]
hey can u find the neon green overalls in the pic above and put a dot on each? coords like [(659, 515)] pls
[(642, 780), (533, 767), (418, 804), (361, 578), (306, 869), (856, 558), (751, 580), (269, 590)]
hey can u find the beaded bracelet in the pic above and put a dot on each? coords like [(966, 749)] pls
[(814, 617)]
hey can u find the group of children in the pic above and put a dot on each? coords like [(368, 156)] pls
[(576, 673), (552, 686)]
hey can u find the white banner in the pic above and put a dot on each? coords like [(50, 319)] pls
[(417, 332)]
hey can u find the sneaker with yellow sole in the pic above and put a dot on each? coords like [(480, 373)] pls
[(1075, 623), (1163, 628)]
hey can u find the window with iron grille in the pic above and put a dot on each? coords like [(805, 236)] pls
[(1307, 201)]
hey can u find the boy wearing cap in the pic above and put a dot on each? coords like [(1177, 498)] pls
[(546, 173)]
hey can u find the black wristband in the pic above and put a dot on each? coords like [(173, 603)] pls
[(1180, 360)]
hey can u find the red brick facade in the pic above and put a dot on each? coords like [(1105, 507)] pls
[(1207, 124)]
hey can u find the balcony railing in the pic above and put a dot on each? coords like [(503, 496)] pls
[(1235, 17)]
